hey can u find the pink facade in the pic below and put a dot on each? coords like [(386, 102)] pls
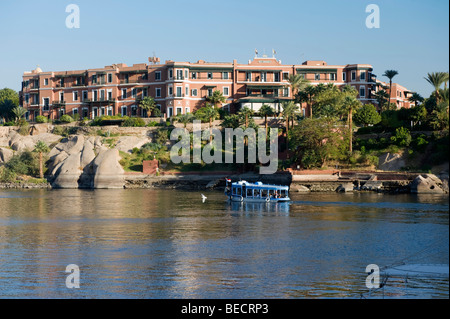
[(179, 87), (398, 96)]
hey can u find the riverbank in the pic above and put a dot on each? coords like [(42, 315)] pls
[(306, 181), (301, 181)]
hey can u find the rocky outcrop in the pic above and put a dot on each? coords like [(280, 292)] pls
[(427, 184), (127, 143), (345, 188), (20, 143), (391, 162), (299, 189), (68, 173), (373, 184), (108, 172), (5, 154), (74, 163)]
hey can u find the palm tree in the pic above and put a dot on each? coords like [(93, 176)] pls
[(246, 113), (436, 79), (351, 103), (298, 83), (309, 92), (390, 74), (41, 148), (18, 112), (184, 118), (266, 110), (289, 109), (444, 95), (148, 104), (381, 96), (211, 114), (216, 98), (415, 98)]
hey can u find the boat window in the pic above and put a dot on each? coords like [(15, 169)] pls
[(239, 191), (264, 193), (249, 192)]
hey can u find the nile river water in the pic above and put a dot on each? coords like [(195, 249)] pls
[(168, 244)]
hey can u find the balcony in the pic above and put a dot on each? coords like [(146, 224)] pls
[(99, 101), (267, 95), (58, 104), (99, 83)]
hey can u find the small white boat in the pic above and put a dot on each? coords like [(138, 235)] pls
[(258, 192)]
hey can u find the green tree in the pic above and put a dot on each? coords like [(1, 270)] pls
[(438, 119), (367, 115), (9, 99), (298, 83), (185, 118), (402, 137), (208, 114), (231, 121), (415, 98), (18, 112), (329, 102), (308, 95), (289, 110), (436, 79), (246, 114), (390, 74), (148, 104), (216, 99), (315, 141), (382, 97), (266, 111), (41, 148), (350, 104), (418, 114)]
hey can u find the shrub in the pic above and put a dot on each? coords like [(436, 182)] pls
[(64, 131), (7, 175), (26, 163), (24, 128), (11, 123), (41, 119), (66, 118), (134, 122), (153, 124), (402, 137), (76, 117), (161, 136), (151, 147), (420, 143)]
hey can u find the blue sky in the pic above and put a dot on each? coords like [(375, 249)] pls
[(413, 37)]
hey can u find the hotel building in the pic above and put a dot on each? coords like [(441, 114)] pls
[(182, 87)]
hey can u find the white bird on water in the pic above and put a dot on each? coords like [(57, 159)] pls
[(204, 198)]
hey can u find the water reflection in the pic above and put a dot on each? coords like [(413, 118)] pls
[(169, 244), (280, 209)]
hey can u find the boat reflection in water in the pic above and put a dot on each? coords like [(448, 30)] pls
[(270, 208)]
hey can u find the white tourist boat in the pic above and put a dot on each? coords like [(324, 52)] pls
[(258, 192)]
